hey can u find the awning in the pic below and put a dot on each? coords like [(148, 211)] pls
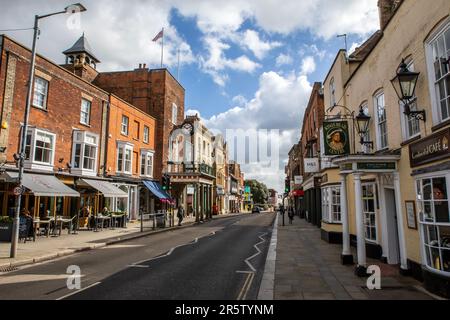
[(44, 186), (157, 190), (106, 188)]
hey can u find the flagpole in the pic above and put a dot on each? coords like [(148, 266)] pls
[(162, 48)]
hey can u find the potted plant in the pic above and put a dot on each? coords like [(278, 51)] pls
[(6, 227)]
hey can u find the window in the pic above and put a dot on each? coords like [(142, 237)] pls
[(85, 111), (124, 126), (40, 93), (331, 204), (332, 93), (174, 113), (366, 148), (85, 146), (438, 53), (410, 125), (124, 158), (147, 164), (381, 121), (39, 149), (434, 217), (370, 223), (146, 134)]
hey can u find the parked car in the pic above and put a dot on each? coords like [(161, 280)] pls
[(256, 210)]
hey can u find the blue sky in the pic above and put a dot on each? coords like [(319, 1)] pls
[(246, 64)]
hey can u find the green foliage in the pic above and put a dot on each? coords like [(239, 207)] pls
[(259, 191), (6, 219)]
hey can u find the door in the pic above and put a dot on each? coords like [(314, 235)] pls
[(392, 227)]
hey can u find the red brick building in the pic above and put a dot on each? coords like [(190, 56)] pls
[(155, 92)]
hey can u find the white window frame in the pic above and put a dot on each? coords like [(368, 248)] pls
[(146, 134), (83, 112), (407, 121), (329, 201), (82, 138), (435, 100), (174, 113), (424, 224), (366, 148), (45, 93), (376, 97), (124, 147), (31, 163), (125, 127), (146, 166), (374, 213)]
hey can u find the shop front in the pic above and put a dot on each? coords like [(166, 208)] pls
[(312, 200)]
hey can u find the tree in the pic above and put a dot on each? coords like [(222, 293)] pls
[(259, 191)]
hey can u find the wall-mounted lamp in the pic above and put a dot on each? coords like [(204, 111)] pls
[(404, 84), (362, 125)]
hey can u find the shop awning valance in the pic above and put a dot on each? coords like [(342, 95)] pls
[(157, 190), (106, 188), (43, 186)]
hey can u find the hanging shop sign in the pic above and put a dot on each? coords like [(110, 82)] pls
[(298, 180), (312, 165), (432, 148), (336, 138)]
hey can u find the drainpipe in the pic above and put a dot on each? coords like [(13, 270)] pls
[(105, 162)]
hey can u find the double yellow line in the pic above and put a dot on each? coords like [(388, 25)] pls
[(247, 284)]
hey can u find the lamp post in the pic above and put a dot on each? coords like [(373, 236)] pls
[(362, 126), (404, 84), (78, 7)]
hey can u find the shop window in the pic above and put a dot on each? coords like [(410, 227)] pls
[(369, 211), (39, 149), (40, 93), (331, 204), (434, 218), (85, 147), (381, 121), (438, 56), (124, 158)]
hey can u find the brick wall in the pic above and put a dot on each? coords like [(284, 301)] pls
[(63, 104)]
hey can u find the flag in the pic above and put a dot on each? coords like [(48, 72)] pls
[(159, 35)]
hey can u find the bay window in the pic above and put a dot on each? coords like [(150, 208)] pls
[(39, 149), (124, 158), (85, 146), (147, 163), (434, 217), (331, 204)]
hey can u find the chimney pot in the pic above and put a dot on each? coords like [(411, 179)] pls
[(140, 65)]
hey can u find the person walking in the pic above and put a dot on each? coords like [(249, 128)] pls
[(291, 215), (180, 215)]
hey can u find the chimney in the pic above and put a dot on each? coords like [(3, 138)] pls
[(140, 65), (386, 10)]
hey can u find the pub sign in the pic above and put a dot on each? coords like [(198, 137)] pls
[(336, 138)]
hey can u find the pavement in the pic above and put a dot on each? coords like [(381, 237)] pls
[(308, 268), (220, 259), (48, 248)]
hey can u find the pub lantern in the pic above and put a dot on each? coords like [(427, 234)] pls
[(362, 125)]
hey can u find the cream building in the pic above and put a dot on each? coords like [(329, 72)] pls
[(394, 197)]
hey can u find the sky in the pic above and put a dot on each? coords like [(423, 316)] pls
[(245, 64)]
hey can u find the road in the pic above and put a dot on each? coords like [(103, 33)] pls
[(222, 259)]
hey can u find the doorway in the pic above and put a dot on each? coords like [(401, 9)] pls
[(393, 255)]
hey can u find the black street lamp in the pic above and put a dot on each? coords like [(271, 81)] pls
[(362, 126), (404, 84)]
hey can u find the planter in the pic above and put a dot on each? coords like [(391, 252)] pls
[(6, 231)]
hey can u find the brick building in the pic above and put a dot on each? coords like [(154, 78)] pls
[(155, 92)]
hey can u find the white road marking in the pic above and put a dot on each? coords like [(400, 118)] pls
[(247, 261), (78, 291)]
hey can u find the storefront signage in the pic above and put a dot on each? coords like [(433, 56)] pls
[(376, 166), (312, 165), (430, 149), (347, 167), (190, 190), (336, 138), (298, 180)]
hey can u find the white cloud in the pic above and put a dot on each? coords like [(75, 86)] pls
[(284, 59), (353, 47), (252, 41), (308, 65), (239, 100)]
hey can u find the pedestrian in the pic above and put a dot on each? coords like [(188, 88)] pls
[(180, 214), (291, 215)]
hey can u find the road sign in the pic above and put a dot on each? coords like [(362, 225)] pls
[(18, 191)]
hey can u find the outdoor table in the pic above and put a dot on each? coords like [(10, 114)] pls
[(101, 218), (114, 218), (61, 221), (47, 224)]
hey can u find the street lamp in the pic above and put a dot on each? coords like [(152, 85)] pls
[(404, 84), (74, 8), (362, 126)]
